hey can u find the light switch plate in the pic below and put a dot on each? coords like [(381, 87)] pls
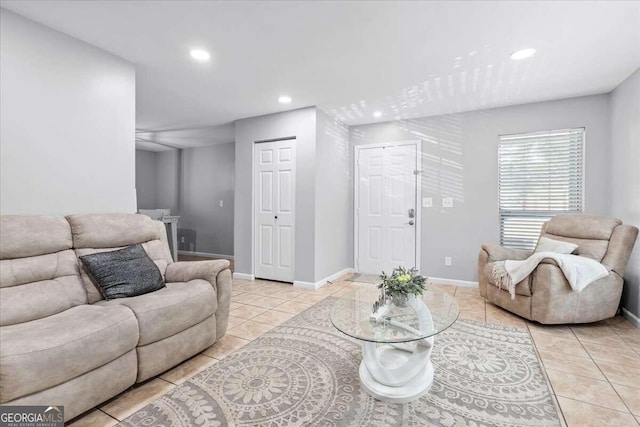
[(427, 202), (447, 202)]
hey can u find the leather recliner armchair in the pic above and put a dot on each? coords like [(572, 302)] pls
[(545, 295)]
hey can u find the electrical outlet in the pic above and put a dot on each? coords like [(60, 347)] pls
[(182, 239), (447, 202), (220, 203), (427, 202), (447, 261)]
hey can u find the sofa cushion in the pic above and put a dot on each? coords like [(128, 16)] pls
[(25, 236), (170, 310), (127, 272), (112, 230), (159, 356), (46, 352), (39, 286), (88, 390), (94, 233)]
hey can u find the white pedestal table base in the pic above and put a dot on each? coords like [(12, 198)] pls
[(395, 374)]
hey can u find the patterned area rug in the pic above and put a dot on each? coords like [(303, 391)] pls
[(305, 372)]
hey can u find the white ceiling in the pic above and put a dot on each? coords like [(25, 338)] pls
[(166, 140), (405, 59)]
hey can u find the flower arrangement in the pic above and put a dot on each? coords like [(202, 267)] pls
[(402, 282)]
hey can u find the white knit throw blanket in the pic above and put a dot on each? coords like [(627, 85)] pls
[(578, 270)]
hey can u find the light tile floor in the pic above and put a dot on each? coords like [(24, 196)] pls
[(593, 370)]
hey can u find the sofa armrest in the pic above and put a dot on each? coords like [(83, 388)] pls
[(215, 272), (184, 271), (500, 253)]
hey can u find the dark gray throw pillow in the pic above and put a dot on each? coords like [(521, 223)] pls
[(124, 273)]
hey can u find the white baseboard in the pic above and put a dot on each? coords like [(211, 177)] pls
[(452, 282), (635, 320), (320, 283), (243, 276), (206, 254)]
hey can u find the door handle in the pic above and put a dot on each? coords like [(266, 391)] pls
[(411, 222), (275, 217), (412, 213)]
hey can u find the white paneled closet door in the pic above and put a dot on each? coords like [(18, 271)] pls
[(274, 193)]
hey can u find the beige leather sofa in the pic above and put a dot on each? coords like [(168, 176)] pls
[(62, 344), (545, 295)]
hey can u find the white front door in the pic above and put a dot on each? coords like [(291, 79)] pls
[(274, 192), (386, 216)]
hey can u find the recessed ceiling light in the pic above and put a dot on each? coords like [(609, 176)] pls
[(377, 114), (200, 55), (284, 99), (523, 54)]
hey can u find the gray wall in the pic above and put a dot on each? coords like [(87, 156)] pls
[(459, 160), (301, 124), (67, 124), (334, 236), (168, 180), (207, 178), (625, 175), (191, 182), (146, 181)]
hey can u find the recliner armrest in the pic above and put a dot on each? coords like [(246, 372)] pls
[(553, 262), (492, 253), (500, 253)]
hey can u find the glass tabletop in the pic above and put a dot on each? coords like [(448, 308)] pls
[(424, 316)]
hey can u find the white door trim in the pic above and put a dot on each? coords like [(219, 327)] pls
[(251, 276), (356, 186)]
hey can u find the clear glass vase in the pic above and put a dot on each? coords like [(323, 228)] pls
[(400, 300)]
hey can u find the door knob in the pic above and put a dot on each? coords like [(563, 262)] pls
[(411, 222), (275, 217)]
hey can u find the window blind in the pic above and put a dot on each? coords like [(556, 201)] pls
[(540, 175)]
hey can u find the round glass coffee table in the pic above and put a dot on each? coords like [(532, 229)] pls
[(396, 341)]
